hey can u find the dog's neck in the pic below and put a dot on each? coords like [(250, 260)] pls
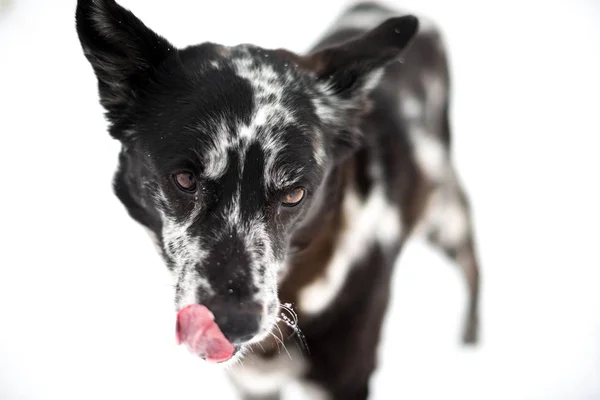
[(313, 244)]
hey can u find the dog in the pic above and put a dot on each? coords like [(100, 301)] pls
[(280, 187)]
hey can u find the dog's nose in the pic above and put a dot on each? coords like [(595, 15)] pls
[(238, 322)]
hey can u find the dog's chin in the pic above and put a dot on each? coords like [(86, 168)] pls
[(241, 350), (238, 355)]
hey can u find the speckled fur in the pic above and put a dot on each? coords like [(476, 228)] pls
[(361, 123)]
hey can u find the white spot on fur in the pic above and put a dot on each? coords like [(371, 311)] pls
[(435, 90), (233, 213), (373, 80), (266, 84), (271, 111), (190, 283), (364, 224), (215, 159), (411, 106), (319, 149), (326, 112), (455, 223), (216, 163), (390, 231), (246, 132), (261, 116), (430, 154), (303, 389), (254, 235), (186, 252), (262, 377), (446, 215), (263, 267)]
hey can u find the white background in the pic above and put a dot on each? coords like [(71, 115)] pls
[(85, 307)]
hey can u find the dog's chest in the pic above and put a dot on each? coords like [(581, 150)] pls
[(260, 376)]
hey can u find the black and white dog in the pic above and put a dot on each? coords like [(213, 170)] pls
[(275, 182)]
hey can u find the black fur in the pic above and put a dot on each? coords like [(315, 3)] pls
[(251, 125)]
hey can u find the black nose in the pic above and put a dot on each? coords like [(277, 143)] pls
[(238, 322)]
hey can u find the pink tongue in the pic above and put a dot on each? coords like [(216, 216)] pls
[(197, 329)]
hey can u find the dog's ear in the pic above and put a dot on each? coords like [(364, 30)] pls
[(121, 49), (354, 67), (350, 70)]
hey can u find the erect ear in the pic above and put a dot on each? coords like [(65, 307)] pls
[(121, 49), (355, 66), (350, 70)]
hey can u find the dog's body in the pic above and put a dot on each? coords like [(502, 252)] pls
[(399, 183), (383, 174)]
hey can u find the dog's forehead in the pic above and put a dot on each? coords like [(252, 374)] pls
[(212, 102), (282, 114)]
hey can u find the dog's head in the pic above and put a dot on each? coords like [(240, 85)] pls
[(224, 153)]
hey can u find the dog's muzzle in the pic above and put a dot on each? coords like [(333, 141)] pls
[(215, 334)]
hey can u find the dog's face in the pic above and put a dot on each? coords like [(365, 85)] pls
[(225, 150)]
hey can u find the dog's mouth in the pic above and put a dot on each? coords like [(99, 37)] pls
[(197, 329)]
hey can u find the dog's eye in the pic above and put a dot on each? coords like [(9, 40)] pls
[(294, 197), (185, 181)]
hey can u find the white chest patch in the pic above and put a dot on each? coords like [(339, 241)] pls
[(260, 377), (302, 390), (375, 220)]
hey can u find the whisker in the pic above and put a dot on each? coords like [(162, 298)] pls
[(262, 347), (280, 332), (283, 344), (299, 339)]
